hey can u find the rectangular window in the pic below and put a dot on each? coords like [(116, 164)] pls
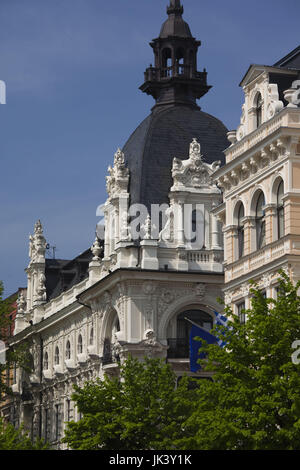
[(46, 424), (241, 312), (278, 291), (280, 221), (69, 414), (57, 422), (14, 374)]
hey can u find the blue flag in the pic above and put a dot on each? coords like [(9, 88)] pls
[(223, 321), (195, 345), (208, 337)]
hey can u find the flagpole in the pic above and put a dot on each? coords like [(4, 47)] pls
[(193, 323)]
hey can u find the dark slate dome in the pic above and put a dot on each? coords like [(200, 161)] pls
[(165, 134)]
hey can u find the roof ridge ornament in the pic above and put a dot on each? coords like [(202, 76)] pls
[(194, 173)]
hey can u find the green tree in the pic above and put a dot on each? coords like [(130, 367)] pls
[(143, 410), (17, 439), (254, 401), (5, 310), (19, 356)]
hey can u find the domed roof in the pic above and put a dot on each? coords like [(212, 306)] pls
[(175, 26), (167, 133)]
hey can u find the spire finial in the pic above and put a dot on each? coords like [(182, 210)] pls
[(175, 7)]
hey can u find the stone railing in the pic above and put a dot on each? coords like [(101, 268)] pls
[(255, 260), (65, 298), (205, 259), (199, 256)]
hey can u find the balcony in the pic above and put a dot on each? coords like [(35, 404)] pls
[(179, 348), (109, 357), (176, 70), (256, 259), (287, 117)]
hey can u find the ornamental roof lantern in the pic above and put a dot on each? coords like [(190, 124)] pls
[(174, 78)]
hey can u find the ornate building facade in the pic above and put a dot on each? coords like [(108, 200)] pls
[(160, 256), (261, 183), (158, 259)]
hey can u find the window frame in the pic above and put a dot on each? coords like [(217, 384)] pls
[(260, 223), (80, 344), (258, 109), (280, 211), (56, 356), (240, 306)]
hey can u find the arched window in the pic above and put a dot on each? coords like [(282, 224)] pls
[(240, 230), (46, 361), (180, 69), (79, 345), (280, 210), (56, 356), (166, 63), (259, 103), (68, 350), (260, 222), (92, 337)]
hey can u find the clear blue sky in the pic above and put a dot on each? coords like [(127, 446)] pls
[(72, 70)]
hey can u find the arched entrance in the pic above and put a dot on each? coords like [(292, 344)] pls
[(112, 327)]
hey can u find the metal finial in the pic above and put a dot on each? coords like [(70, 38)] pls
[(175, 7)]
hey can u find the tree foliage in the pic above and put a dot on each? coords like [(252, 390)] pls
[(17, 439), (17, 356), (254, 401), (143, 410)]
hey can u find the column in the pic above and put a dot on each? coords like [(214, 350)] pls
[(271, 223), (249, 234), (215, 233)]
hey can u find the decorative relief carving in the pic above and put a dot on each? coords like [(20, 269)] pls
[(194, 172), (292, 95), (200, 290), (256, 163), (118, 179), (228, 298), (37, 244), (266, 280), (149, 287), (274, 105), (245, 289), (271, 105), (168, 296), (21, 303), (41, 290)]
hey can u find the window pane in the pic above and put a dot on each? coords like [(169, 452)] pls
[(280, 218), (241, 241), (280, 193), (240, 214), (259, 206), (241, 313), (258, 110)]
